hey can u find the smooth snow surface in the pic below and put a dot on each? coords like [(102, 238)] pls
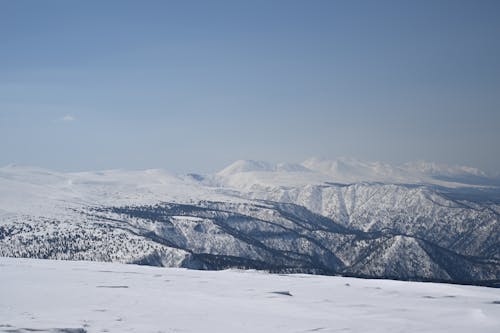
[(66, 296)]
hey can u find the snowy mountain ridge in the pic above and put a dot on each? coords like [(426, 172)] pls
[(350, 170), (278, 217)]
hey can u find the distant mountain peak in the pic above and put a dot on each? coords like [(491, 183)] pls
[(242, 166), (245, 166), (355, 170), (432, 168), (246, 173)]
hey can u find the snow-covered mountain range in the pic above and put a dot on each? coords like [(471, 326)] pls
[(419, 221)]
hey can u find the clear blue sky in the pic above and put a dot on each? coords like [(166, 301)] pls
[(194, 85)]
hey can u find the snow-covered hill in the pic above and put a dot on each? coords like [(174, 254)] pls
[(81, 297), (307, 217)]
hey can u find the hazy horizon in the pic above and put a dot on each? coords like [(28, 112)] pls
[(193, 87), (352, 162)]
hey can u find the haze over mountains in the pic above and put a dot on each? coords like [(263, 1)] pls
[(419, 221)]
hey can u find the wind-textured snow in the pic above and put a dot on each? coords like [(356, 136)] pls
[(79, 297)]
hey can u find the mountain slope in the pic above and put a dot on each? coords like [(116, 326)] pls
[(282, 218)]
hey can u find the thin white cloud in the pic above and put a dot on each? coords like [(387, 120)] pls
[(68, 118)]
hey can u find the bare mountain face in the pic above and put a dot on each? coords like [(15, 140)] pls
[(418, 221)]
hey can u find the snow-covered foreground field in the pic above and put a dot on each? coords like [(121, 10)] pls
[(67, 296)]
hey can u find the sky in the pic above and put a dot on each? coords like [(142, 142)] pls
[(194, 85)]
